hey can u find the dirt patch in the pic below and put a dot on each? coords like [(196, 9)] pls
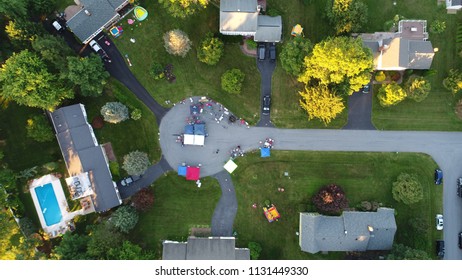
[(109, 151)]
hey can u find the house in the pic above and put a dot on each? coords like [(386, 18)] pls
[(452, 6), (211, 248), (85, 159), (242, 17), (406, 49), (352, 231), (92, 16)]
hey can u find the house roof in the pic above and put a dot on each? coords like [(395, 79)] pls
[(456, 3), (269, 29), (84, 24), (212, 248), (248, 6), (238, 16), (82, 153), (349, 232)]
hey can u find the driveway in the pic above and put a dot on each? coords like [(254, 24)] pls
[(360, 111), (266, 68), (226, 209)]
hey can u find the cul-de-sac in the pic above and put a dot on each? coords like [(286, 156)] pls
[(231, 130)]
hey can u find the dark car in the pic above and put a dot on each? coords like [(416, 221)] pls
[(272, 52), (366, 88), (438, 176), (266, 104), (460, 240), (440, 248), (459, 187), (261, 52)]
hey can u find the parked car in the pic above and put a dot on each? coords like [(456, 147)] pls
[(366, 88), (459, 187), (94, 45), (272, 52), (439, 222), (440, 248), (261, 52), (58, 26), (438, 176), (126, 181), (266, 104), (460, 240)]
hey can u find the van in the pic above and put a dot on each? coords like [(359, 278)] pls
[(261, 52), (440, 248), (57, 26), (95, 46), (272, 51)]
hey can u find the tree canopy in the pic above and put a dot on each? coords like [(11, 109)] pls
[(293, 54), (339, 60), (407, 189), (24, 78), (129, 251), (72, 247), (114, 112), (88, 74), (183, 8), (39, 129), (403, 252), (346, 15), (136, 163), (391, 94), (124, 218), (321, 103), (417, 88), (53, 50), (176, 42), (103, 237), (231, 81), (210, 50)]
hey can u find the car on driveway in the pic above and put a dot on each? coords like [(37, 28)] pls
[(440, 248), (261, 52), (94, 45), (438, 176), (439, 221), (366, 88), (127, 181), (460, 240), (272, 52), (58, 26), (266, 104), (459, 187)]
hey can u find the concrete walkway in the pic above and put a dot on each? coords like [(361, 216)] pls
[(226, 209)]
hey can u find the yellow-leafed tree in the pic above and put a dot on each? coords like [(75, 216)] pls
[(391, 94), (339, 60), (319, 102)]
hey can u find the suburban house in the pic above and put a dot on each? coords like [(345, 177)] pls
[(242, 17), (406, 49), (90, 178), (352, 231), (452, 6), (211, 248), (90, 17)]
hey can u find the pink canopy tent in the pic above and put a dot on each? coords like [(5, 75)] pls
[(193, 173)]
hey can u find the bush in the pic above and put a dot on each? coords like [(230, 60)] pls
[(330, 199), (176, 42), (143, 200), (251, 44), (114, 112), (157, 71), (453, 82), (407, 189), (136, 114), (210, 50), (255, 250), (390, 94), (124, 218), (115, 169), (293, 55), (39, 129), (97, 122), (417, 88), (437, 27), (231, 81), (380, 76), (136, 163)]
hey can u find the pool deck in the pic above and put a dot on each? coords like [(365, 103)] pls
[(61, 227)]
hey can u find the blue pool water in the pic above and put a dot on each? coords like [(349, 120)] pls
[(49, 204)]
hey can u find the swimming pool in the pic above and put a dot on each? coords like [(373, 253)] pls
[(48, 204)]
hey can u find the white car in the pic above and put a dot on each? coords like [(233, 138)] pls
[(95, 46), (439, 222)]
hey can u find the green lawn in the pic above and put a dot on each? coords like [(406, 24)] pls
[(364, 176), (179, 206)]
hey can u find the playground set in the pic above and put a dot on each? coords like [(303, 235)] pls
[(271, 213)]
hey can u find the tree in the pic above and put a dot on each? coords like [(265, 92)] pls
[(53, 50), (39, 129), (129, 251), (136, 163), (72, 247), (407, 189), (453, 82), (114, 112), (293, 54), (42, 7), (143, 200), (136, 114), (330, 199), (183, 8), (124, 218), (176, 42), (24, 78), (210, 50), (88, 74), (231, 81), (8, 231), (437, 27), (339, 60), (403, 252), (103, 237), (417, 88), (319, 102), (346, 15), (255, 250), (391, 94), (14, 8)]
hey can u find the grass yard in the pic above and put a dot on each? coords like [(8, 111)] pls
[(437, 111), (179, 206), (363, 176)]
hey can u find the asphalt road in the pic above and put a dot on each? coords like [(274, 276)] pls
[(266, 68), (226, 209)]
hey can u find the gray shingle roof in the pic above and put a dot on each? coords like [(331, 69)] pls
[(82, 153), (241, 22), (349, 232), (456, 2), (269, 29), (101, 12), (420, 54), (212, 248)]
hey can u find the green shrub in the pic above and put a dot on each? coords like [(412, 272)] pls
[(407, 189), (231, 81), (38, 128), (115, 169), (136, 114), (210, 50), (251, 44), (417, 88), (157, 71), (380, 76), (437, 27)]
